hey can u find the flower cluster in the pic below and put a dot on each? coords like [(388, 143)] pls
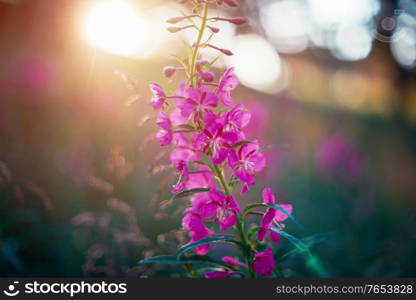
[(211, 154)]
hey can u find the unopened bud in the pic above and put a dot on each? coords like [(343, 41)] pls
[(174, 29), (174, 20), (237, 20), (226, 52), (213, 29), (169, 71), (222, 50), (207, 76), (232, 3)]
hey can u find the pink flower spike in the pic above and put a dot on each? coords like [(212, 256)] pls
[(264, 262), (159, 96)]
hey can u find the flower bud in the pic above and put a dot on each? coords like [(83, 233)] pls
[(174, 29), (232, 3), (237, 20), (213, 29), (174, 20), (169, 71), (226, 52), (222, 50), (207, 76)]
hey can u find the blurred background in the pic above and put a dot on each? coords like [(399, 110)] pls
[(332, 88)]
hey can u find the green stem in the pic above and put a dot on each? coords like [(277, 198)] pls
[(198, 42), (245, 249), (222, 180)]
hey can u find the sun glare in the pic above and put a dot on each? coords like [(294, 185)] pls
[(116, 27)]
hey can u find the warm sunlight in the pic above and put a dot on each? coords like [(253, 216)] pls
[(115, 26)]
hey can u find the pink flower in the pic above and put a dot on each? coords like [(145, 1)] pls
[(236, 119), (227, 208), (203, 178), (195, 102), (197, 231), (180, 157), (214, 139), (233, 262), (165, 134), (215, 204), (264, 262), (203, 206), (225, 273), (247, 161), (183, 171), (272, 216), (159, 96), (206, 206), (228, 82)]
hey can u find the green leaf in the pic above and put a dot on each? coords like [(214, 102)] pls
[(250, 207), (205, 241), (308, 241), (312, 261), (180, 61), (295, 241), (214, 60), (190, 192)]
